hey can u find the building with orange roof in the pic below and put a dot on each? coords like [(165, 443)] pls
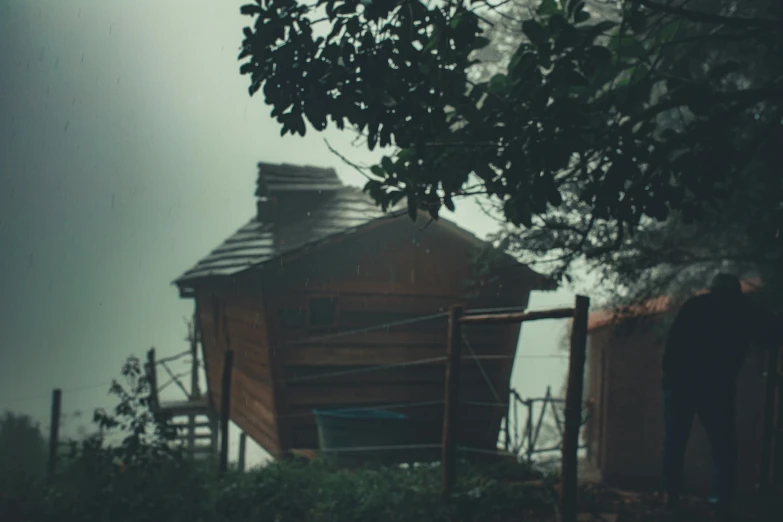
[(623, 387)]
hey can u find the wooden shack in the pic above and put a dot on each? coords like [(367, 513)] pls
[(625, 431), (321, 297)]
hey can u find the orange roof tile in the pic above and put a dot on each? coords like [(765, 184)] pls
[(649, 308)]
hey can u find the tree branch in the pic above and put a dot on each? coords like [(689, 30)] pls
[(709, 18)]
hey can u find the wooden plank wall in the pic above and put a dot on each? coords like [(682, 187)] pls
[(238, 322), (395, 274)]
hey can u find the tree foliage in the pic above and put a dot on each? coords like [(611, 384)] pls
[(740, 231), (22, 449), (598, 124)]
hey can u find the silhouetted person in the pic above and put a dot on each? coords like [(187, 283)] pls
[(704, 354)]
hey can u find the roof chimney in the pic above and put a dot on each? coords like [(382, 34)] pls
[(266, 207)]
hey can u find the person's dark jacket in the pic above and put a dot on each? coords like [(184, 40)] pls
[(707, 343)]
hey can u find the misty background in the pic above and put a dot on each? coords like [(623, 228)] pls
[(128, 151)]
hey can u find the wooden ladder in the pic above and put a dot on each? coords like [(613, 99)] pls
[(196, 422)]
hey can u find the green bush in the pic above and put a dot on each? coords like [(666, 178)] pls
[(144, 477)]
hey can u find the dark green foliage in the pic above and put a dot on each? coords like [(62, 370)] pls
[(23, 450), (141, 476), (593, 132)]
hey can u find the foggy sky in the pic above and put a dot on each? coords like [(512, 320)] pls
[(128, 150)]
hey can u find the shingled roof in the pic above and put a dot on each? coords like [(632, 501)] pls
[(332, 210), (294, 178), (339, 212)]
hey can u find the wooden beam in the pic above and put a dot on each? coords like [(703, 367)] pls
[(186, 425), (54, 430), (225, 408), (573, 411), (451, 407), (194, 391), (196, 436), (242, 449), (518, 317), (175, 409), (276, 363)]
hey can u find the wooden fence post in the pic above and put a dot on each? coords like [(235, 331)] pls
[(152, 378), (451, 405), (507, 430), (54, 431), (225, 408), (529, 430), (573, 411), (242, 449)]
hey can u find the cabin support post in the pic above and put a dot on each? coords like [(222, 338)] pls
[(573, 411), (242, 449), (54, 430), (451, 405), (225, 407), (194, 391)]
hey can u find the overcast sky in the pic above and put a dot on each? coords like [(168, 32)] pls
[(128, 150)]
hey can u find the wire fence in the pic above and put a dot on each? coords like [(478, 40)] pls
[(382, 407), (403, 322), (374, 368), (524, 444)]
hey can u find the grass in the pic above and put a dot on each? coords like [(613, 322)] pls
[(92, 489)]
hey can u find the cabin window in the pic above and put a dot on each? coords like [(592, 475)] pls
[(322, 312)]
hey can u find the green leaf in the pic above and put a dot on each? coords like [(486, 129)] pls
[(387, 164), (575, 78), (448, 202), (432, 43), (723, 69), (404, 155), (669, 31), (456, 19), (599, 29), (378, 171), (536, 33), (250, 9), (373, 187), (557, 23), (637, 21), (498, 85), (573, 7), (581, 16), (628, 47), (480, 42), (600, 56), (521, 63), (548, 8)]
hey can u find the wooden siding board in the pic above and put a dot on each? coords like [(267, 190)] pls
[(471, 374)]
